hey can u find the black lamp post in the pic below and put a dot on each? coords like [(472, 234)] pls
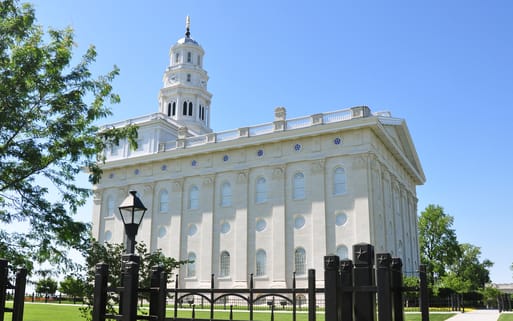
[(132, 212)]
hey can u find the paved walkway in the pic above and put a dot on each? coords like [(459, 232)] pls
[(476, 315)]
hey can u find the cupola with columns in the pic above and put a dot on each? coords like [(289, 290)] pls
[(184, 96)]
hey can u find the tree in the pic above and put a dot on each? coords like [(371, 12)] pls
[(73, 287), (111, 254), (439, 247), (48, 112), (490, 295), (46, 286), (468, 273)]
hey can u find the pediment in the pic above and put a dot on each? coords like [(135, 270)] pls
[(397, 131)]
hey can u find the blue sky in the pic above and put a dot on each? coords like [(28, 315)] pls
[(444, 66)]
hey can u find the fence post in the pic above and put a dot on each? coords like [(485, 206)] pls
[(4, 272), (383, 261), (311, 295), (158, 285), (19, 294), (424, 298), (251, 285), (331, 295), (396, 283), (176, 297), (364, 297), (129, 297), (211, 296), (346, 290), (100, 291), (294, 306)]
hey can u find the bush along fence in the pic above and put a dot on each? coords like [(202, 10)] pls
[(352, 290), (19, 291)]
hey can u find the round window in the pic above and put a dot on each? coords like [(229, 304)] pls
[(341, 219), (260, 225), (225, 227), (193, 229), (299, 222), (162, 231)]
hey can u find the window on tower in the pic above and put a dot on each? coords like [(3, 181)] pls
[(184, 111), (189, 56), (189, 77), (174, 108), (190, 109), (169, 109), (177, 57)]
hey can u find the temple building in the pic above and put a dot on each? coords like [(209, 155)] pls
[(267, 200)]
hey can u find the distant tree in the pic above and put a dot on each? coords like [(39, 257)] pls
[(439, 248), (73, 286), (111, 254), (490, 295), (48, 134), (468, 273), (46, 286)]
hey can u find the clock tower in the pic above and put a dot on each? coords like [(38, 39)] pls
[(184, 97)]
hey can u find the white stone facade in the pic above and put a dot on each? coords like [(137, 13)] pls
[(267, 200)]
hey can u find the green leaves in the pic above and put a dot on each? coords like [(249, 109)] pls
[(450, 264), (438, 244), (48, 134)]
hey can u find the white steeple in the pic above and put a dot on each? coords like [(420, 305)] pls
[(184, 96)]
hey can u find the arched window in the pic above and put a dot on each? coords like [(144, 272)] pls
[(300, 261), (184, 111), (342, 252), (299, 186), (261, 190), (193, 198), (190, 108), (339, 181), (169, 109), (226, 194), (261, 262), (189, 56), (224, 264), (163, 201), (111, 207), (174, 108), (191, 265)]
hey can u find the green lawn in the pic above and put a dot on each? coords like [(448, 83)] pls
[(506, 317), (61, 312)]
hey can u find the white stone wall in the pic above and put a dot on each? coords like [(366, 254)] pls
[(379, 205)]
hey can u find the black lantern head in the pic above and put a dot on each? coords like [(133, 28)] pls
[(132, 209)]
